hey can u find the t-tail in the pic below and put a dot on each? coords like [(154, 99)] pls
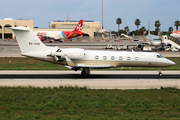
[(27, 40), (79, 26)]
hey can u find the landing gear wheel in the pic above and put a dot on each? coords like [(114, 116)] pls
[(83, 73), (160, 74)]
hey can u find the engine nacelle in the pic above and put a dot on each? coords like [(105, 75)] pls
[(72, 53), (139, 45)]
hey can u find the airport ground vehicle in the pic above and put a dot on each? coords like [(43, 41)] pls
[(135, 39), (171, 48), (147, 49), (124, 47), (110, 47)]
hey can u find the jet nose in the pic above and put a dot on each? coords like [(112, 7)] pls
[(171, 62), (156, 43)]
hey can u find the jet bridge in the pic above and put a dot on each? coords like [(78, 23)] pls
[(175, 42)]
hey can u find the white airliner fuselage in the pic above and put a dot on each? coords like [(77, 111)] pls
[(76, 58), (51, 34), (176, 34)]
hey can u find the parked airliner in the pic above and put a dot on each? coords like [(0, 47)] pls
[(59, 35), (176, 34), (76, 58), (152, 40)]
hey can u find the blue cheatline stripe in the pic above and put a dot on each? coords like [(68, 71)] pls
[(63, 34)]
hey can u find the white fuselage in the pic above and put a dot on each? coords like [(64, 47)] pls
[(176, 35), (51, 34), (96, 58)]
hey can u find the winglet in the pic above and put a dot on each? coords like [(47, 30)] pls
[(79, 26)]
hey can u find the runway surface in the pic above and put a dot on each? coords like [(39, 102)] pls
[(96, 80)]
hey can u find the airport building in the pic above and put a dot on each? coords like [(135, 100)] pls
[(89, 27), (9, 22)]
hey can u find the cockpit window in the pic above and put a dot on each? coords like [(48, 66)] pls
[(160, 56), (59, 50), (156, 39)]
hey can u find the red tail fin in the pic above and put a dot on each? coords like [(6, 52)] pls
[(79, 26)]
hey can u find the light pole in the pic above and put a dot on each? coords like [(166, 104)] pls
[(102, 21)]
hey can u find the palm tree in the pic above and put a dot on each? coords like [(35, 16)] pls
[(177, 23), (118, 21), (157, 24), (142, 30), (170, 30), (126, 29), (137, 23)]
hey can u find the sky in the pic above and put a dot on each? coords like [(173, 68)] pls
[(44, 11)]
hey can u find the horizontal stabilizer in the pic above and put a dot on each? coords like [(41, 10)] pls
[(18, 28)]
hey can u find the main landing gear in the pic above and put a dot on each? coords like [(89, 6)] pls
[(85, 72), (160, 74)]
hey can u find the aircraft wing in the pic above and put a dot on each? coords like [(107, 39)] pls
[(71, 64), (94, 66), (144, 43), (88, 66)]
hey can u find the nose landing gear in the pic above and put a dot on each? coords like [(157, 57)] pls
[(160, 74)]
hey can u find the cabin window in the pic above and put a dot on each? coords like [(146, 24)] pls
[(112, 57), (120, 58), (136, 58), (104, 57), (96, 57), (128, 58)]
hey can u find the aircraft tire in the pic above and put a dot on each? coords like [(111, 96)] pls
[(83, 73), (160, 74)]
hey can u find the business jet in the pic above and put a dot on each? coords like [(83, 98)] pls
[(176, 34), (59, 35), (151, 40), (76, 58)]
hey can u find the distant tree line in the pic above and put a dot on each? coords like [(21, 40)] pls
[(142, 30)]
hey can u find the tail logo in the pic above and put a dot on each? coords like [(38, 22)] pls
[(79, 28)]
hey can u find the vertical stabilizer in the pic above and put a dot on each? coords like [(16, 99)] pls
[(79, 26), (27, 40)]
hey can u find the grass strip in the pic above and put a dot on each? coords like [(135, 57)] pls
[(67, 102)]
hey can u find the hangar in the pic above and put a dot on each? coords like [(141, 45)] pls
[(90, 27)]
